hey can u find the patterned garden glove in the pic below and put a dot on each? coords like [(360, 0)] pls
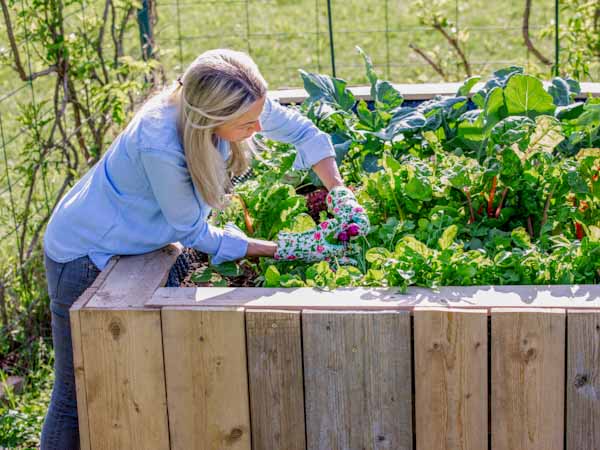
[(312, 245), (351, 217)]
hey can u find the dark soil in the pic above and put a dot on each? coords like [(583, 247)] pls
[(198, 262)]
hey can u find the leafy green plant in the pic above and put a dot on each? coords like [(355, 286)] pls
[(496, 186)]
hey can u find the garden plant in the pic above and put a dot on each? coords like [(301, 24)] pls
[(495, 185)]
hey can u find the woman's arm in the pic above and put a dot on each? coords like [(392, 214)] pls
[(327, 171), (258, 247), (287, 125)]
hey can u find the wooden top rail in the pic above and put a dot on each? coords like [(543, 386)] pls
[(461, 297), (135, 282), (422, 91)]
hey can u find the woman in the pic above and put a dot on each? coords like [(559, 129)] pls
[(157, 183)]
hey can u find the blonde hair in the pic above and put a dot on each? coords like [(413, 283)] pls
[(219, 86)]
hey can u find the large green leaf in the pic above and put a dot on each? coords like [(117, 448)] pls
[(511, 129), (494, 108), (467, 85), (525, 96), (563, 91), (328, 89), (386, 96), (498, 79)]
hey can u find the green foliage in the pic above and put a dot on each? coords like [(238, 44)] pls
[(22, 414), (503, 194)]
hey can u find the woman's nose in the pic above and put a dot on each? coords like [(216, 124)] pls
[(257, 127)]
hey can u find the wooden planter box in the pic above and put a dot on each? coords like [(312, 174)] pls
[(489, 367)]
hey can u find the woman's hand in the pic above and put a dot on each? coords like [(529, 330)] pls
[(351, 217), (312, 245)]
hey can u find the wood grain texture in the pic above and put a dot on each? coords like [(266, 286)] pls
[(583, 380), (528, 379), (79, 369), (124, 379), (134, 279), (357, 377), (207, 380), (451, 376), (274, 344), (78, 361), (468, 297)]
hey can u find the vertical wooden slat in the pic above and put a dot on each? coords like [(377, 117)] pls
[(276, 383), (124, 379), (78, 360), (207, 380), (79, 369), (357, 377), (528, 379), (451, 390), (583, 380)]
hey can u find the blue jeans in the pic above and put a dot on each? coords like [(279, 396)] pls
[(66, 282)]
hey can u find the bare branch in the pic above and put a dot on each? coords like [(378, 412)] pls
[(99, 49), (454, 43), (528, 42), (431, 62), (13, 43), (3, 312), (15, 50)]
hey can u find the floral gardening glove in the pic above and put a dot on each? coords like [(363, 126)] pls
[(312, 245), (351, 217)]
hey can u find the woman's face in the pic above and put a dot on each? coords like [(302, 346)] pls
[(244, 126)]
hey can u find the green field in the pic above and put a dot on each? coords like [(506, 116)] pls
[(285, 35)]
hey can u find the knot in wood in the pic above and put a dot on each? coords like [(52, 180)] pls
[(530, 354), (580, 380), (236, 433), (115, 328)]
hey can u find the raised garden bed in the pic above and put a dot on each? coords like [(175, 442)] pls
[(220, 368), (456, 195)]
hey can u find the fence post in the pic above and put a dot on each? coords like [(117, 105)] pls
[(146, 39), (331, 46), (556, 38)]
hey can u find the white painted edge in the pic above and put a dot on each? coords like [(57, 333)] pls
[(421, 91), (464, 297)]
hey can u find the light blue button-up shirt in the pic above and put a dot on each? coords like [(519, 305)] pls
[(140, 196)]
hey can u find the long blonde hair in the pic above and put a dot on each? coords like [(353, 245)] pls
[(217, 87)]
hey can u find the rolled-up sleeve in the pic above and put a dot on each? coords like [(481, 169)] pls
[(181, 206), (286, 125)]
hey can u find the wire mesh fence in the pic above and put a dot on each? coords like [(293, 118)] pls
[(401, 36)]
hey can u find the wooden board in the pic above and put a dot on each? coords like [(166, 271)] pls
[(451, 379), (274, 344), (78, 361), (528, 379), (583, 380), (207, 380), (357, 377), (135, 278), (412, 91), (79, 369), (124, 379), (469, 297)]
